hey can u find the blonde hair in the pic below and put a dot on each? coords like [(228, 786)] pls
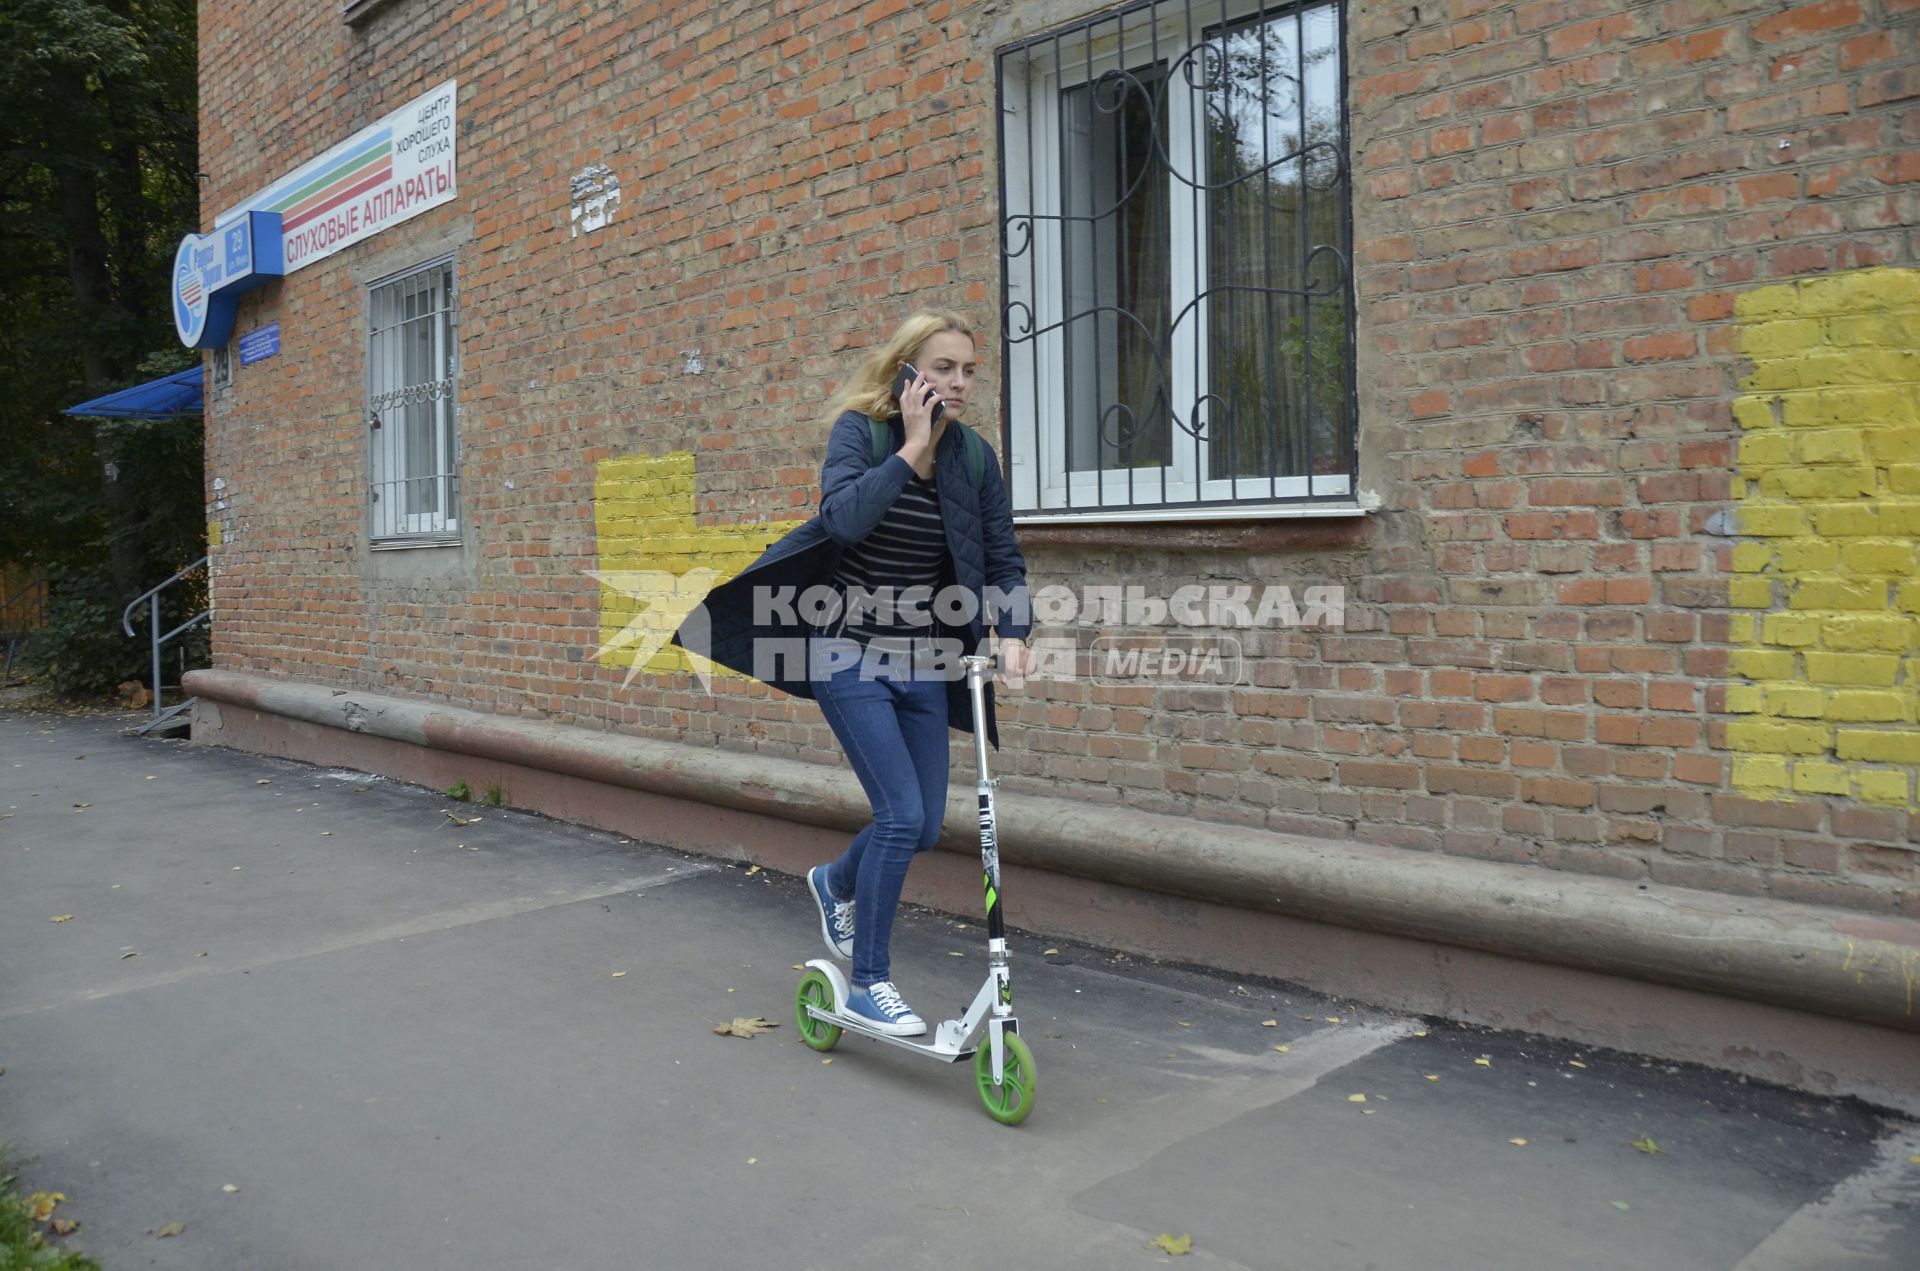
[(871, 390)]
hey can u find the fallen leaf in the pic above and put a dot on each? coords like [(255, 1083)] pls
[(1518, 1142), (153, 778), (750, 873), (64, 1227), (326, 834), (618, 974), (229, 1188), (1333, 1019), (744, 1027), (83, 805), (1283, 1049), (798, 967), (1099, 1098), (1183, 1023), (1484, 1063), (1646, 1145), (1047, 953), (1575, 1063), (1619, 1204), (40, 1204), (171, 1229), (753, 1160), (263, 782), (62, 918), (1356, 1098), (1269, 1023), (827, 1060), (131, 953), (1178, 1246), (1911, 1160), (1366, 1112), (1433, 1076), (458, 820), (952, 953), (1421, 1033)]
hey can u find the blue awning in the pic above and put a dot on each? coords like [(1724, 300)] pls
[(178, 394)]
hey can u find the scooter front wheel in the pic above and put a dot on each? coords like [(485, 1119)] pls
[(815, 990), (1011, 1100)]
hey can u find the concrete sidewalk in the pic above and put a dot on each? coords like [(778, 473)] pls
[(415, 1044)]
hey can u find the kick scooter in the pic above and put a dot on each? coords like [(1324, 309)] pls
[(1002, 1065)]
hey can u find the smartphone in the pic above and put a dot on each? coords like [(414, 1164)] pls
[(906, 376)]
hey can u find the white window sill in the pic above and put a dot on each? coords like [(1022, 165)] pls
[(425, 540), (1143, 516), (359, 12)]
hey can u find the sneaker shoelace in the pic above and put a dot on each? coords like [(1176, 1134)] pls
[(887, 998), (842, 918)]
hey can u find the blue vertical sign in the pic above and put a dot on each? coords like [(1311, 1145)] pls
[(212, 271)]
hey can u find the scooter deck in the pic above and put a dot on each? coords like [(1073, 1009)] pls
[(925, 1044)]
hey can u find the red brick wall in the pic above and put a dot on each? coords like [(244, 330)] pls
[(1555, 205)]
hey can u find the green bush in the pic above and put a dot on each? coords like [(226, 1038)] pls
[(82, 652)]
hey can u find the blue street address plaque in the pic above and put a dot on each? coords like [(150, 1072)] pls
[(263, 343)]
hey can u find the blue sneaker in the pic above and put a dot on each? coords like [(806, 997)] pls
[(836, 916), (880, 1006)]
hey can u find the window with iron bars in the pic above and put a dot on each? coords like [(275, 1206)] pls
[(413, 446), (1176, 239)]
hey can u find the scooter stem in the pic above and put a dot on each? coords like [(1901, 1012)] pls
[(979, 666)]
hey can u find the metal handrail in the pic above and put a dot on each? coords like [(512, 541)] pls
[(152, 597)]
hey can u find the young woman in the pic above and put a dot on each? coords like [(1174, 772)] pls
[(929, 521)]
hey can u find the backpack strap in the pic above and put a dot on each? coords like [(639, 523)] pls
[(882, 438)]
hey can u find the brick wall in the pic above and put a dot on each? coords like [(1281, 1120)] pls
[(1573, 223)]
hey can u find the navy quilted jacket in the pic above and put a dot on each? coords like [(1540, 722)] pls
[(854, 494)]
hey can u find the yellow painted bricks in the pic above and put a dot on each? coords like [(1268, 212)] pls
[(656, 561), (1826, 694)]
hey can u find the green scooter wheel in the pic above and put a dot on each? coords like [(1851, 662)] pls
[(1011, 1100), (815, 990)]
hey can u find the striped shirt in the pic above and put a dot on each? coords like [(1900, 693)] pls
[(906, 549)]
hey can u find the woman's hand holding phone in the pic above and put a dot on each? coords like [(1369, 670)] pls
[(920, 407)]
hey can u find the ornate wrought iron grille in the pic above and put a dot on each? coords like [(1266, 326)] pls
[(1175, 260), (413, 440)]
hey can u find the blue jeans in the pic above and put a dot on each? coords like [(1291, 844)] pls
[(894, 731)]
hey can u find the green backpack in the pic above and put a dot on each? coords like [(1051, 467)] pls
[(976, 449)]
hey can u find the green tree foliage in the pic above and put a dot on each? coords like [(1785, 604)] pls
[(98, 149)]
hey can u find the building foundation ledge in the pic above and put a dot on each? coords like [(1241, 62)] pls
[(1814, 997)]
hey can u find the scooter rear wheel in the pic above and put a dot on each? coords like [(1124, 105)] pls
[(1011, 1100), (815, 990)]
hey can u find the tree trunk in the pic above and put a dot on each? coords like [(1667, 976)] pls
[(93, 294)]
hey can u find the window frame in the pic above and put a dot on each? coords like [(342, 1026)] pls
[(409, 529), (1035, 431)]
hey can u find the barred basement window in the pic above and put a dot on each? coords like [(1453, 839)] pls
[(1178, 322), (413, 435)]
